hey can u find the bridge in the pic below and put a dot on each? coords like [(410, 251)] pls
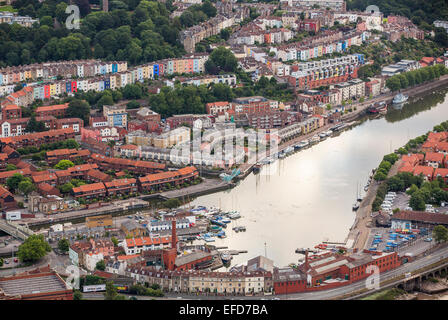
[(15, 230)]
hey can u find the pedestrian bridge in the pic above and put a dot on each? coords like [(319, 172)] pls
[(15, 230)]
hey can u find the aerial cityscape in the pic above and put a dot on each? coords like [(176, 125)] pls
[(223, 150)]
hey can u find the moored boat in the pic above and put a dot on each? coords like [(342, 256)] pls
[(400, 98)]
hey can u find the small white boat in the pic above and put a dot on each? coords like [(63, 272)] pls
[(303, 143), (225, 257), (234, 215), (289, 150), (400, 98)]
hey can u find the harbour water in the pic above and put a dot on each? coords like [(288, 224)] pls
[(307, 197)]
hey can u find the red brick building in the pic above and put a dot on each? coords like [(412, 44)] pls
[(38, 138), (11, 111), (57, 110), (7, 201), (119, 164), (90, 191), (154, 182), (121, 186)]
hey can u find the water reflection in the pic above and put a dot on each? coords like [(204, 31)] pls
[(309, 197)]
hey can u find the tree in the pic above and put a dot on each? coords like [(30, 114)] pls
[(64, 165), (64, 245), (115, 241), (417, 201), (133, 105), (221, 59), (33, 248), (440, 234), (66, 188), (35, 126), (10, 167), (78, 109), (111, 291), (26, 186), (13, 182), (77, 295), (100, 265)]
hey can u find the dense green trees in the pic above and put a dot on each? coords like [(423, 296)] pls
[(63, 245), (35, 126), (33, 248), (197, 13), (415, 77), (440, 234), (100, 265), (144, 34), (78, 109), (192, 99), (221, 59), (64, 164), (421, 12)]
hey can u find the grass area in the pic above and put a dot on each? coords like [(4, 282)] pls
[(8, 8), (389, 294)]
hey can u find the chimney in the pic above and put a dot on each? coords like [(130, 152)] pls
[(306, 261), (173, 234)]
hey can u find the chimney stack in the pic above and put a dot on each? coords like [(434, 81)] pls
[(306, 261), (173, 234)]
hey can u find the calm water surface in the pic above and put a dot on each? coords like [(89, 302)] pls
[(308, 197)]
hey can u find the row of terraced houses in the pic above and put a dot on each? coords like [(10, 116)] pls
[(104, 76)]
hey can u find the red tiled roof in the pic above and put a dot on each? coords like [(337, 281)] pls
[(52, 108), (130, 243), (4, 192), (37, 135), (426, 171), (90, 187), (120, 183), (11, 107), (422, 216), (443, 172), (434, 157), (7, 174), (98, 174)]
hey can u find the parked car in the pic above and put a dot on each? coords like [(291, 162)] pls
[(428, 240)]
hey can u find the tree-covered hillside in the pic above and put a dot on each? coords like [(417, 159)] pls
[(134, 30), (421, 12)]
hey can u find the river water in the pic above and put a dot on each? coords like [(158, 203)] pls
[(307, 197)]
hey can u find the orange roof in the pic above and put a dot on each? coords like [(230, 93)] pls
[(424, 170), (4, 192), (37, 135), (129, 147), (11, 107), (443, 172), (132, 256), (52, 108), (7, 174), (437, 136), (412, 159), (97, 174), (407, 167), (90, 187), (148, 241), (120, 183), (217, 104), (44, 177), (434, 157)]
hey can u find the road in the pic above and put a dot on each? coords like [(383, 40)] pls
[(333, 293)]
